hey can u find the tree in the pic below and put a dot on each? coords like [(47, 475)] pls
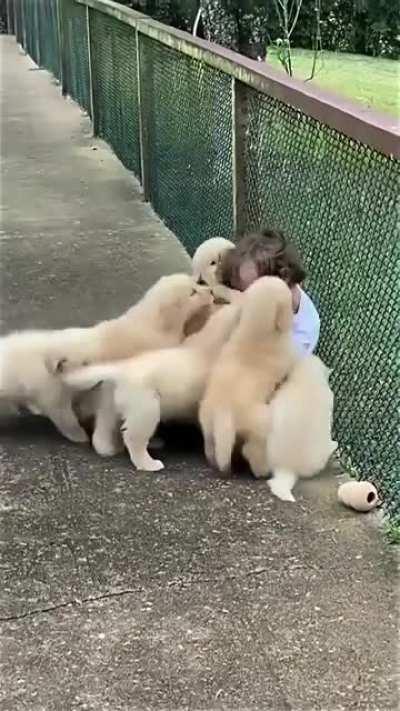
[(241, 25), (287, 12), (249, 26)]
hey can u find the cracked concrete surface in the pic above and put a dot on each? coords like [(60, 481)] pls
[(123, 590)]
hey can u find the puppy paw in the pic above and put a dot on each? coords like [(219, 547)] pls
[(281, 492), (78, 436), (255, 455), (105, 448), (221, 293), (154, 465)]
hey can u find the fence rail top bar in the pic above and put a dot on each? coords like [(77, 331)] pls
[(370, 127)]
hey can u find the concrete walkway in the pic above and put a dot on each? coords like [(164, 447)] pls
[(127, 591)]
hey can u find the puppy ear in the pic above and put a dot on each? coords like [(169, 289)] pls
[(56, 367), (284, 317)]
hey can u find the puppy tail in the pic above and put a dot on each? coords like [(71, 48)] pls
[(87, 377), (224, 439)]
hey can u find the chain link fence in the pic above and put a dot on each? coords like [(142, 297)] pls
[(49, 43), (113, 49), (19, 21), (75, 52), (337, 199), (30, 13), (219, 147), (187, 106), (7, 17)]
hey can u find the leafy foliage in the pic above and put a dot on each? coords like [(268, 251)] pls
[(364, 26)]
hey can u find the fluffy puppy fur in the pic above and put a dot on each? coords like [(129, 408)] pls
[(206, 263), (160, 385), (207, 260), (31, 362), (256, 359), (299, 441)]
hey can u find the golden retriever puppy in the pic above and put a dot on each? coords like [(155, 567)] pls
[(256, 359), (31, 362), (205, 265), (156, 386), (207, 259), (299, 441)]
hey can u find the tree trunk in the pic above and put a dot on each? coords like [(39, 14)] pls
[(240, 25)]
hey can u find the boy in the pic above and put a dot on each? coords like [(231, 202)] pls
[(269, 253)]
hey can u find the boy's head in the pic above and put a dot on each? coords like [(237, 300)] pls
[(265, 253)]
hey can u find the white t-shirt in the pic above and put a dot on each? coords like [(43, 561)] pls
[(306, 325)]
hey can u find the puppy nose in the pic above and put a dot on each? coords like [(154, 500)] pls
[(201, 281)]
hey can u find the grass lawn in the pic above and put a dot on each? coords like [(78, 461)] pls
[(371, 81)]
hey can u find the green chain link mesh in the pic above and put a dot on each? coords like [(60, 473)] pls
[(76, 73), (189, 137), (18, 19), (31, 29), (49, 48), (7, 18), (115, 87), (336, 199)]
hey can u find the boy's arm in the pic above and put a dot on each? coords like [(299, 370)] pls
[(307, 340), (314, 334)]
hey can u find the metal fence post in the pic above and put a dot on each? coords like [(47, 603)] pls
[(142, 79), (10, 17), (239, 157), (17, 19), (92, 111), (23, 27), (61, 44), (37, 6), (19, 22)]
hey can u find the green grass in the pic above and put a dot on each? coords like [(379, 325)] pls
[(392, 532), (371, 81)]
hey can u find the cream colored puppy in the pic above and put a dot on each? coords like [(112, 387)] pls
[(256, 359), (31, 362), (205, 265), (299, 441), (157, 386), (207, 259)]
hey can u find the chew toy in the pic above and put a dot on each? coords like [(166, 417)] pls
[(358, 495)]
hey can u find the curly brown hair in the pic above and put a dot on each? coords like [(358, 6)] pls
[(272, 255)]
